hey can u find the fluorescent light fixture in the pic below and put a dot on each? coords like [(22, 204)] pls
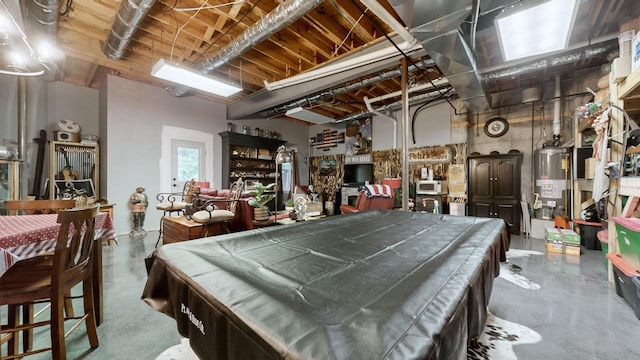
[(306, 115), (193, 79), (526, 30), (345, 64)]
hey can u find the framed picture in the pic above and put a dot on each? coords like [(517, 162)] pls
[(327, 167), (68, 189)]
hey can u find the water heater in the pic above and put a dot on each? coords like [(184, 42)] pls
[(551, 173)]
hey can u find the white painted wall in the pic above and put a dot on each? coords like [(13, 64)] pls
[(134, 116)]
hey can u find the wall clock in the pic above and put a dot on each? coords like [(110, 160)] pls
[(496, 127)]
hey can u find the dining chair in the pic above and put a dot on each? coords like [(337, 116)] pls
[(211, 213), (47, 278), (31, 207)]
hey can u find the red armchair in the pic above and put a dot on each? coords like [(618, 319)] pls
[(371, 197)]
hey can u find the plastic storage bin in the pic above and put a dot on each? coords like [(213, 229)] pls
[(627, 282), (603, 236), (628, 231)]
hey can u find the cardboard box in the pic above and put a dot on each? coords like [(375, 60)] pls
[(554, 246), (590, 167), (572, 250), (552, 234), (570, 237)]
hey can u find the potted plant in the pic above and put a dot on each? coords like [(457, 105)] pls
[(289, 205), (261, 195)]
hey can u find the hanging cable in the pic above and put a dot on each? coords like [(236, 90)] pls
[(384, 33), (420, 108), (227, 31)]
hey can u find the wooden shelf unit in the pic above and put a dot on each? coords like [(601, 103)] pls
[(84, 159), (250, 157), (625, 95)]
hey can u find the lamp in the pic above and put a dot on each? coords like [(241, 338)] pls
[(283, 158), (17, 57), (544, 26), (194, 79)]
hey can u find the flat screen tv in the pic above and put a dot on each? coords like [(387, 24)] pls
[(358, 174)]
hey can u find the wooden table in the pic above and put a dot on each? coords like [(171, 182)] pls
[(179, 228), (25, 236)]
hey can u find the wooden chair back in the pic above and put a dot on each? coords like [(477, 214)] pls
[(235, 192), (30, 207), (74, 246)]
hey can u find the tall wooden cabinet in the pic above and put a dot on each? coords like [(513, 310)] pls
[(494, 187), (77, 162), (250, 157)]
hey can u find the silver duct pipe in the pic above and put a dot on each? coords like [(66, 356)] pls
[(43, 16), (553, 61), (345, 89), (22, 137), (128, 17), (284, 14), (42, 20)]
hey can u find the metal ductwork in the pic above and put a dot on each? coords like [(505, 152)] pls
[(344, 89), (436, 24), (572, 56), (42, 24), (283, 15), (128, 17)]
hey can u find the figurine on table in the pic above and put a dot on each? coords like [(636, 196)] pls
[(139, 202)]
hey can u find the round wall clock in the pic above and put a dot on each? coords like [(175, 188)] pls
[(496, 127)]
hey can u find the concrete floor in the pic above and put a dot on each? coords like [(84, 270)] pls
[(575, 310)]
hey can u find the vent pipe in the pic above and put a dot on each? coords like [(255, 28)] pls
[(42, 20), (284, 14), (556, 112), (128, 17), (573, 56)]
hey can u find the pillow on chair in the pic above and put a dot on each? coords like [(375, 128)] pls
[(171, 206), (217, 215), (377, 190)]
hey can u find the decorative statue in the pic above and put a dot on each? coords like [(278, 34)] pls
[(139, 202)]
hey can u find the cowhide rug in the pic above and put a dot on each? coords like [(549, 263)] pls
[(181, 351), (498, 338), (511, 272)]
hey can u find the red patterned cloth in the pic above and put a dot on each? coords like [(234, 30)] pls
[(377, 190), (25, 236)]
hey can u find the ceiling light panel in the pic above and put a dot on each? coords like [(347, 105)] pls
[(529, 30), (193, 79)]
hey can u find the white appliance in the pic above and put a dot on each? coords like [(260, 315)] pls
[(431, 187)]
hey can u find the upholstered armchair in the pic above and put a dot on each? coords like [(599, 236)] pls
[(371, 197)]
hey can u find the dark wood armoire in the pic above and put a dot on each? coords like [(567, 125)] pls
[(494, 187)]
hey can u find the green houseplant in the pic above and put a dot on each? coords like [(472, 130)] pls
[(261, 195), (289, 204)]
